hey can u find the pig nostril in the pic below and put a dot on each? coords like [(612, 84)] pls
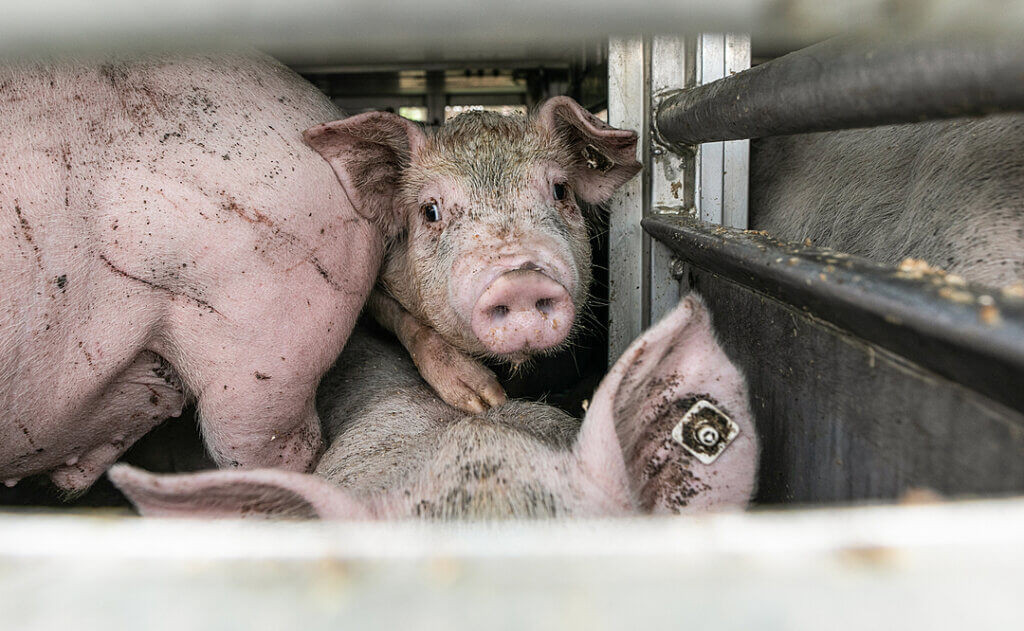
[(499, 312), (544, 305)]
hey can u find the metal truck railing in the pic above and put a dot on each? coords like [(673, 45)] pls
[(845, 83)]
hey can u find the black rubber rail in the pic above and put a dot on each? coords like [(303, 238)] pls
[(845, 83), (971, 334)]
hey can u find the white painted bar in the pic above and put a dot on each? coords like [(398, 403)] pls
[(670, 174), (627, 294), (722, 167), (366, 31), (939, 566)]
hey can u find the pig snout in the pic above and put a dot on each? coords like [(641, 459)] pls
[(522, 310)]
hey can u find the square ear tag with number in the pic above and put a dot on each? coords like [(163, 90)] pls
[(705, 431)]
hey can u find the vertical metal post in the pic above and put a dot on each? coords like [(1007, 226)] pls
[(722, 167), (709, 182), (436, 97), (671, 175), (627, 255)]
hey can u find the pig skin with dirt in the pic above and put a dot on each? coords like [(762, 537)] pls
[(948, 192), (164, 233), (398, 452), (489, 256)]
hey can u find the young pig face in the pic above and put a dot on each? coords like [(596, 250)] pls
[(658, 437), (490, 247), (497, 257)]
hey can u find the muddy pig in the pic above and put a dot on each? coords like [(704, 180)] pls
[(491, 257), (398, 452), (165, 232), (949, 192)]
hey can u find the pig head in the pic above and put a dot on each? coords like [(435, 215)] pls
[(669, 430), (489, 255)]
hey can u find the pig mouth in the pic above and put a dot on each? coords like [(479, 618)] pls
[(522, 312)]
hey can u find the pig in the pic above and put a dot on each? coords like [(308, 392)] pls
[(397, 451), (165, 233), (491, 257), (948, 192)]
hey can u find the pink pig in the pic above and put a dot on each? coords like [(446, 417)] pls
[(170, 233), (165, 232), (491, 257), (397, 451)]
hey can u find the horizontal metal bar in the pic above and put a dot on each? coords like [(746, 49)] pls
[(845, 83), (367, 32), (923, 566), (970, 334)]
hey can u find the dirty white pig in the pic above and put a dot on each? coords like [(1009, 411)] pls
[(491, 256), (397, 451), (949, 192), (165, 232)]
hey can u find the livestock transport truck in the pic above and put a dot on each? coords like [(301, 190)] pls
[(888, 398)]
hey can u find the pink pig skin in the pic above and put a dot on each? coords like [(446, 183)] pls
[(165, 233), (399, 452)]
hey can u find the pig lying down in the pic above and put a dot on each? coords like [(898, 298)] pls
[(398, 451), (167, 232), (949, 192), (491, 256)]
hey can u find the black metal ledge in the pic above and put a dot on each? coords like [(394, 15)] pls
[(846, 83), (971, 334)]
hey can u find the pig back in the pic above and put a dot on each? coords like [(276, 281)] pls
[(165, 204), (949, 192), (391, 436)]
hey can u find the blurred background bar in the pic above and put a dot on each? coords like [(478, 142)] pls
[(317, 32)]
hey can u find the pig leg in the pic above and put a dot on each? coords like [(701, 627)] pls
[(140, 398), (255, 396), (248, 426), (461, 381)]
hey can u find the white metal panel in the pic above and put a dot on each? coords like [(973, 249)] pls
[(627, 292), (943, 566), (736, 153), (710, 183), (722, 167), (670, 174)]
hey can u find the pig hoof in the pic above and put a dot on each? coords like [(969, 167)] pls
[(461, 381)]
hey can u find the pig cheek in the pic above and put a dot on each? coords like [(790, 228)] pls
[(434, 256)]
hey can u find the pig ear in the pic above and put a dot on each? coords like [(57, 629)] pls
[(675, 374), (605, 157), (260, 493), (368, 153)]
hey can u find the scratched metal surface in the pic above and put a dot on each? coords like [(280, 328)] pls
[(936, 566)]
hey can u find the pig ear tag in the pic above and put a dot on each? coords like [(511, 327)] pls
[(596, 160), (705, 431)]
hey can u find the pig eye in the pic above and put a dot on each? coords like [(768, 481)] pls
[(431, 211), (559, 191)]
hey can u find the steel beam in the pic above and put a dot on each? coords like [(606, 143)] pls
[(850, 82)]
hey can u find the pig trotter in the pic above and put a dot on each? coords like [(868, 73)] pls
[(460, 381)]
